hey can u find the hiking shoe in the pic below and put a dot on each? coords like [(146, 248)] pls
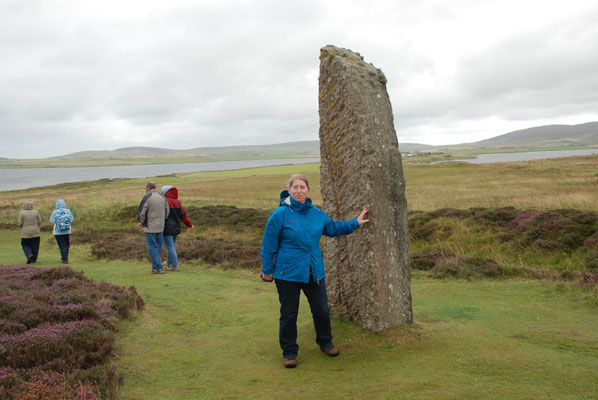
[(171, 268), (289, 362), (158, 271), (30, 260), (65, 261), (331, 350)]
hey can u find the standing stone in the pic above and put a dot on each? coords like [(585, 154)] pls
[(368, 277)]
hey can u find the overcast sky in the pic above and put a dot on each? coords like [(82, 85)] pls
[(99, 75)]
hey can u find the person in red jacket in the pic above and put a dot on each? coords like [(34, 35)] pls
[(172, 225)]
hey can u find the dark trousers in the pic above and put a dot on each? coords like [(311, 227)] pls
[(64, 242), (288, 295), (30, 248)]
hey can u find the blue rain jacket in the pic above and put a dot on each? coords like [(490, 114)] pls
[(60, 209), (290, 246)]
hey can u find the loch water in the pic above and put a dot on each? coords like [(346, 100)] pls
[(25, 178)]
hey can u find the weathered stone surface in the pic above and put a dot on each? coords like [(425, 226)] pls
[(368, 276)]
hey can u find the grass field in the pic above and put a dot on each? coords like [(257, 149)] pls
[(209, 332)]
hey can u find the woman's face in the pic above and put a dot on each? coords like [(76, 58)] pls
[(299, 190)]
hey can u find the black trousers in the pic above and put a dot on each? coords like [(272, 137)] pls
[(30, 248), (288, 295), (64, 242)]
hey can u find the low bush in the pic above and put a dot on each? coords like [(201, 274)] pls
[(240, 253), (229, 216), (441, 263), (563, 229), (55, 333)]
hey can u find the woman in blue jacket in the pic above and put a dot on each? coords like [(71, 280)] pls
[(291, 255), (61, 218)]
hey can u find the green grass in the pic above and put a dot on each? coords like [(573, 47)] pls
[(212, 333), (207, 333)]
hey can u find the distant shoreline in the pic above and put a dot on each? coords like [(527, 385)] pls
[(118, 162), (27, 178)]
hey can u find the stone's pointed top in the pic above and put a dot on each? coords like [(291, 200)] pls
[(351, 59), (330, 50)]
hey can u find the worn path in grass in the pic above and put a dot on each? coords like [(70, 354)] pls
[(207, 333)]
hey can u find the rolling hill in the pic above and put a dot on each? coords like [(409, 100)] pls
[(542, 136), (536, 137), (290, 149)]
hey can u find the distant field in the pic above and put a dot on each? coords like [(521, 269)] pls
[(554, 183)]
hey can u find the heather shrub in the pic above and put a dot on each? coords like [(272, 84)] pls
[(241, 253), (544, 233), (213, 215), (430, 231), (493, 216), (56, 333), (564, 229), (126, 214), (427, 260), (420, 223), (49, 385), (590, 251), (80, 343), (122, 249), (8, 327), (90, 235), (228, 216), (589, 282), (211, 251), (444, 263), (52, 274)]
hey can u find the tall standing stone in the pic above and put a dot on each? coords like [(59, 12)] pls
[(368, 277)]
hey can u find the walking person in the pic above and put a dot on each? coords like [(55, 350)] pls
[(153, 211), (29, 221), (172, 226), (62, 218), (291, 255)]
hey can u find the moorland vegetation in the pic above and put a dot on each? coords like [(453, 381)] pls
[(504, 258)]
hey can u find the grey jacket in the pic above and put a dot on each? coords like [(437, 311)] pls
[(29, 220), (153, 210)]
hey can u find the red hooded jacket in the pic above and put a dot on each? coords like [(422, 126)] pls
[(172, 225)]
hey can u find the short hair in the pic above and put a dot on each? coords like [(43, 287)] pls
[(294, 177), (150, 185)]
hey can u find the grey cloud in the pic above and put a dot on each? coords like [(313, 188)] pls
[(535, 73), (105, 75)]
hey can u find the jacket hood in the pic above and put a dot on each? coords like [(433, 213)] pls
[(288, 201), (170, 191), (60, 204), (27, 205)]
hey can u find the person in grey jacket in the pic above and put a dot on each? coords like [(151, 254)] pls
[(153, 211), (29, 220)]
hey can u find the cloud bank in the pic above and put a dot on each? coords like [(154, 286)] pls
[(182, 74)]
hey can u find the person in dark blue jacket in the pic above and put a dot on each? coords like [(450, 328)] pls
[(291, 255)]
